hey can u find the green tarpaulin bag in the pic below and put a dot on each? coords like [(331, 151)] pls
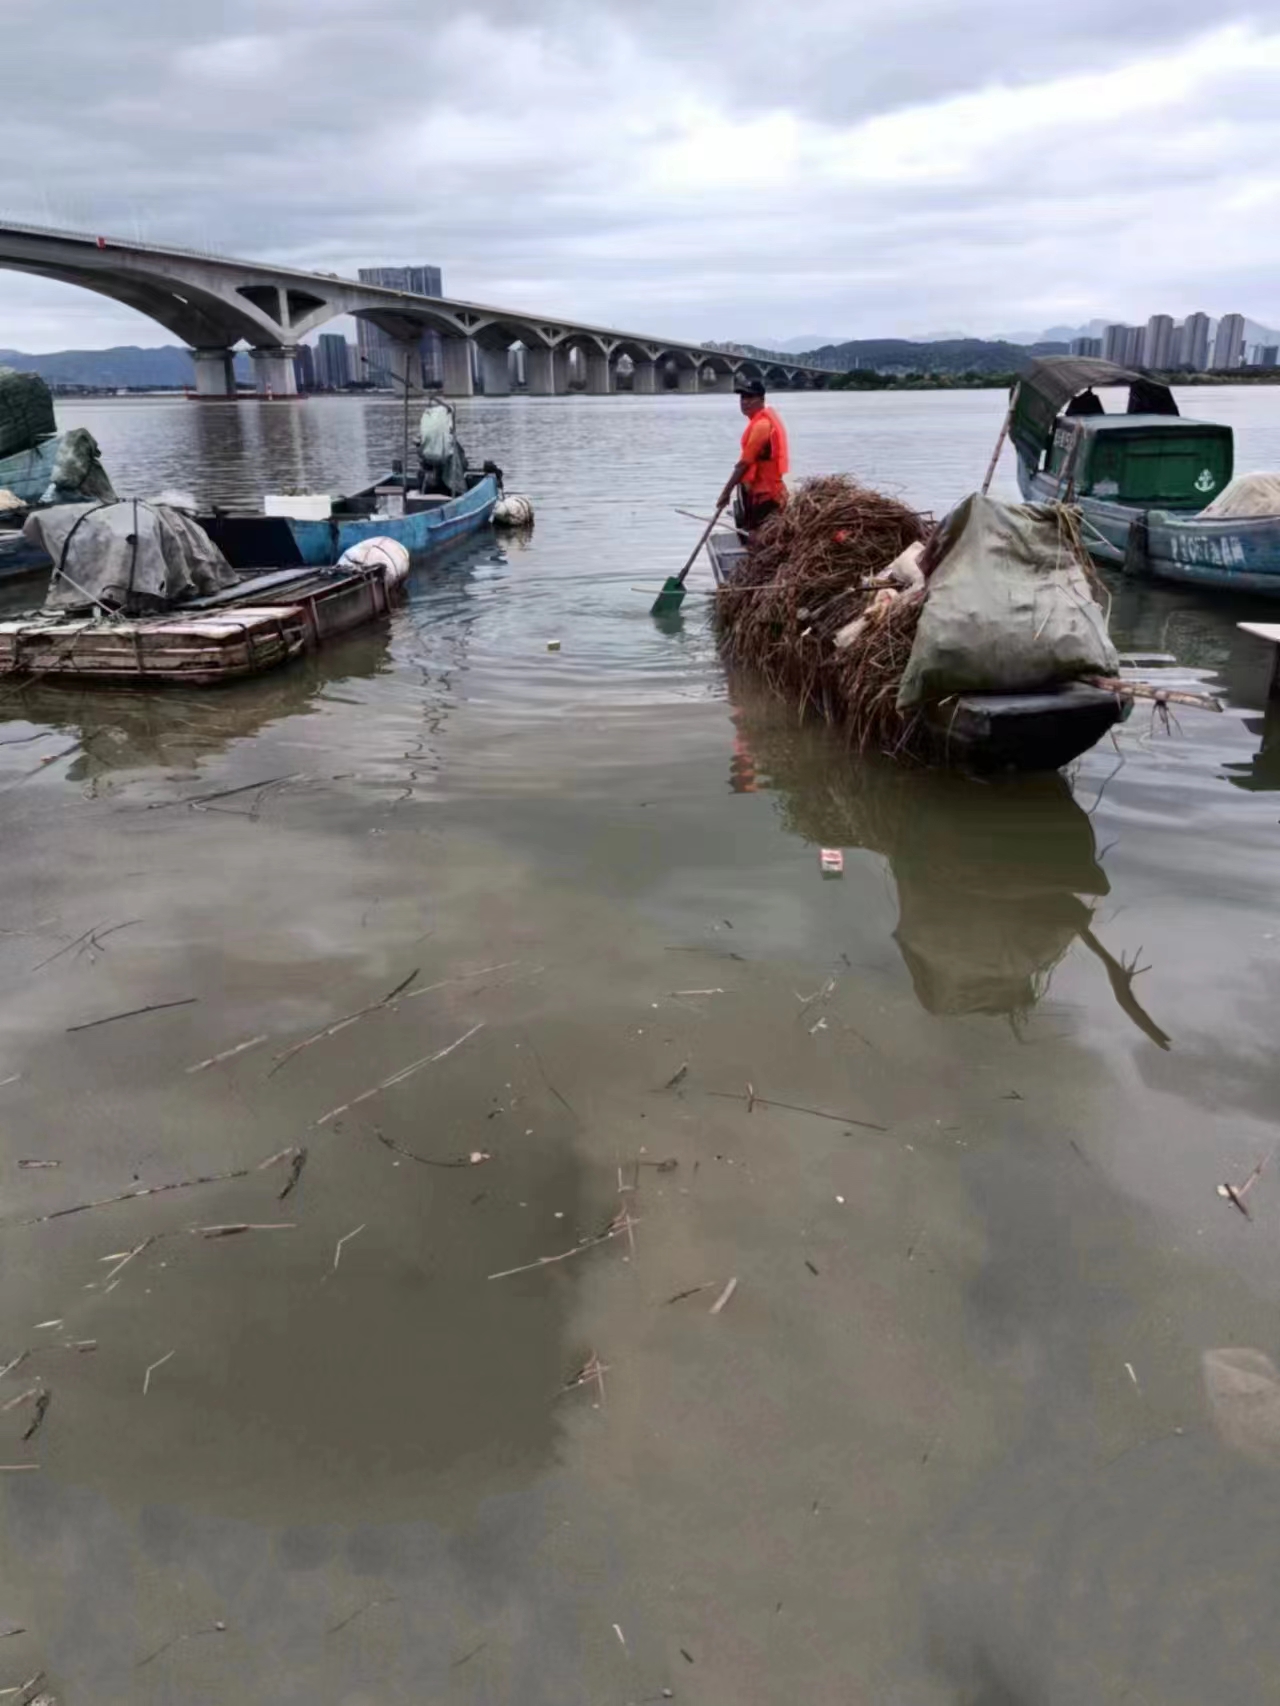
[(1009, 606)]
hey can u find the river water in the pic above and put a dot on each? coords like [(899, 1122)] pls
[(955, 1123)]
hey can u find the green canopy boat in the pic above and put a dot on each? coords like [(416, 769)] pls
[(1154, 488)]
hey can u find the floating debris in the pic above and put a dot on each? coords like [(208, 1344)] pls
[(342, 1024), (152, 1367), (134, 1013), (33, 1163), (399, 1077), (346, 1239), (724, 1296), (227, 1054), (757, 1101)]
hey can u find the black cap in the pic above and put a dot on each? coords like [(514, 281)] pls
[(752, 388)]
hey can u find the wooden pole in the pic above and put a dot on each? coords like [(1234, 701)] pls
[(1004, 433)]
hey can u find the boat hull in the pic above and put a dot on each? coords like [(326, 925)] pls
[(1225, 554)]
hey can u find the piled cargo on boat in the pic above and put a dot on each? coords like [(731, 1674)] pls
[(857, 608), (37, 465)]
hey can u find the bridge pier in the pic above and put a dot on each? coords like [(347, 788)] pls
[(545, 370), (459, 376), (721, 382), (644, 378), (215, 372), (599, 374), (274, 372), (404, 367), (495, 370), (687, 379)]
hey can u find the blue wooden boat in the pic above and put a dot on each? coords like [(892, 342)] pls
[(1141, 479), (428, 522)]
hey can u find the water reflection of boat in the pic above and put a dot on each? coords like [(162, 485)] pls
[(120, 732), (996, 881)]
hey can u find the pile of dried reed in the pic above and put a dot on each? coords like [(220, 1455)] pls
[(803, 582)]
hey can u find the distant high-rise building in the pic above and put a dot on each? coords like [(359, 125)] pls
[(333, 362), (1134, 337), (304, 369), (377, 359), (1193, 343), (1157, 342), (1115, 344), (1086, 346), (1228, 345), (1269, 355)]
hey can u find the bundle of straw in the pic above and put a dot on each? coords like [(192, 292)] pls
[(803, 582)]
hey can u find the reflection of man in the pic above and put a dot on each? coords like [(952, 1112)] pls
[(757, 478)]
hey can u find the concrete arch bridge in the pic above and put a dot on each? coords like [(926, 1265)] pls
[(215, 304)]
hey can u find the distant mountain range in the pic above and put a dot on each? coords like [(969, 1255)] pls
[(126, 367), (943, 355)]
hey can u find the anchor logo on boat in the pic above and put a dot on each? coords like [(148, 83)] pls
[(1205, 481)]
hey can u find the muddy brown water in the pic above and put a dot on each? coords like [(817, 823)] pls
[(948, 1441)]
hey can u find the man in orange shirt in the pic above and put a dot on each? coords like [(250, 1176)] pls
[(757, 477)]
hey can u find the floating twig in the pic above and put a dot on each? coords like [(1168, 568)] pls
[(233, 1228), (43, 1399), (472, 1159), (128, 1196), (222, 793), (296, 1164), (33, 1163), (399, 1077), (591, 1373), (31, 1682), (342, 1024), (724, 1296), (16, 1468), (22, 1398), (563, 1100), (359, 1612), (467, 1657), (675, 992), (614, 1230), (191, 1635), (346, 1239), (676, 1077), (690, 1291), (134, 1013), (758, 1101), (85, 936), (122, 1260), (152, 1367), (228, 1054), (464, 977)]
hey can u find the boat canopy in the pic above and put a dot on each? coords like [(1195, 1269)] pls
[(1045, 386)]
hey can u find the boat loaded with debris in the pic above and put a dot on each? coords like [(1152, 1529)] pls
[(1154, 489), (39, 467), (977, 643), (141, 596)]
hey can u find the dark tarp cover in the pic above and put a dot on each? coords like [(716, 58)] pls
[(1047, 385)]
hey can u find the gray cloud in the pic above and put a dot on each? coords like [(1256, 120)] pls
[(714, 169)]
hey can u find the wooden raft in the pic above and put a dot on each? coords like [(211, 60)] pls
[(196, 651)]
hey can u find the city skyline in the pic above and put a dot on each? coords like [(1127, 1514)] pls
[(1197, 344)]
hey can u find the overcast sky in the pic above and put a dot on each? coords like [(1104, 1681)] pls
[(701, 168)]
